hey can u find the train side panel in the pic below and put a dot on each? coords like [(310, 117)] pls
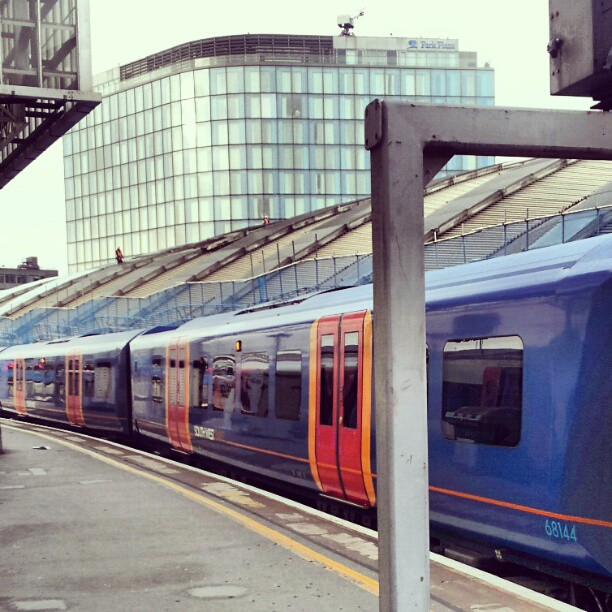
[(246, 395), (82, 382), (498, 468)]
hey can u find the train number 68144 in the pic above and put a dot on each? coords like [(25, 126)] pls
[(560, 531)]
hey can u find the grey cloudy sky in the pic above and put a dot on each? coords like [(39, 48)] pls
[(512, 37)]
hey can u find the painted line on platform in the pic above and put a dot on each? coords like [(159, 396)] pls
[(366, 583), (242, 485), (466, 570)]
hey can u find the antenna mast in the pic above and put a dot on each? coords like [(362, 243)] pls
[(347, 23)]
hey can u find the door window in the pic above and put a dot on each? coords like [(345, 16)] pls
[(350, 390), (326, 380)]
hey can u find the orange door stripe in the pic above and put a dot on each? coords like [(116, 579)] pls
[(366, 409), (79, 415), (186, 396), (167, 393), (19, 386), (495, 502), (312, 405)]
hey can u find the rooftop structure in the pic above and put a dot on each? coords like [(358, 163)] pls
[(215, 135), (45, 77), (27, 272)]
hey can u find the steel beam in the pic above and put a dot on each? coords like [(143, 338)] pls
[(408, 145)]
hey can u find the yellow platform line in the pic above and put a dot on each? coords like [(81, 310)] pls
[(366, 583)]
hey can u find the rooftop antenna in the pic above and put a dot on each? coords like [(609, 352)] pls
[(346, 22)]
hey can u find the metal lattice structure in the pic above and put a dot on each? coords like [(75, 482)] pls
[(45, 77), (186, 301)]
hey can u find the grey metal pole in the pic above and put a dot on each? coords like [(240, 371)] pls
[(409, 144), (39, 70), (399, 369)]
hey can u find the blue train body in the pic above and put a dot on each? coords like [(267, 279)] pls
[(519, 399), (81, 381)]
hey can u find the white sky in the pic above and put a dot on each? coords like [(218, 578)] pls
[(512, 37)]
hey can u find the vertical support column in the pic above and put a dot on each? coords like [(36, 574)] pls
[(83, 36), (399, 362), (37, 53)]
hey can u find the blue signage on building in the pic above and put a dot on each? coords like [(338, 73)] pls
[(444, 45)]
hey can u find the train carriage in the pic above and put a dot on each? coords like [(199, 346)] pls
[(82, 381), (238, 388), (520, 407), (518, 351), (519, 400)]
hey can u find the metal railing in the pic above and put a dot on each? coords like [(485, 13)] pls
[(189, 300), (518, 236)]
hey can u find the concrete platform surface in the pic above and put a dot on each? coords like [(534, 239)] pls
[(88, 525)]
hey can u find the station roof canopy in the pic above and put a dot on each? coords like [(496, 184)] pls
[(484, 213)]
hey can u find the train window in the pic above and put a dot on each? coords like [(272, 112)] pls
[(172, 375), (254, 374), (70, 377), (224, 368), (181, 375), (326, 380), (482, 390), (34, 376), (102, 387), (18, 376), (88, 379), (201, 379), (10, 380), (44, 389), (74, 375), (351, 373), (288, 385), (60, 381), (157, 389), (77, 377)]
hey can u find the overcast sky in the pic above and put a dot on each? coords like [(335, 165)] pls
[(512, 37)]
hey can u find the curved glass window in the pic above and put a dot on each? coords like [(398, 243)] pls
[(254, 387), (482, 390)]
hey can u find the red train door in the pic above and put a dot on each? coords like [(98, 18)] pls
[(19, 386), (340, 418), (74, 390), (177, 396), (326, 423)]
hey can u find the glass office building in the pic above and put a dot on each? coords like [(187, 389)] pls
[(214, 135)]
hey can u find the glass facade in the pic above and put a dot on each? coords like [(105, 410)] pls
[(182, 152)]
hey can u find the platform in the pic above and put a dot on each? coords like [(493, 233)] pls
[(88, 524)]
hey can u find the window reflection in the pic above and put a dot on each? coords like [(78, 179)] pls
[(268, 131)]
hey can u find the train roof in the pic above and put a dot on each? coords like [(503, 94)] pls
[(544, 270), (547, 269), (74, 344)]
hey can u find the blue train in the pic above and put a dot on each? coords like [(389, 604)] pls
[(519, 365)]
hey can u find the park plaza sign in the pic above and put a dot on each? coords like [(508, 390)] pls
[(440, 44)]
